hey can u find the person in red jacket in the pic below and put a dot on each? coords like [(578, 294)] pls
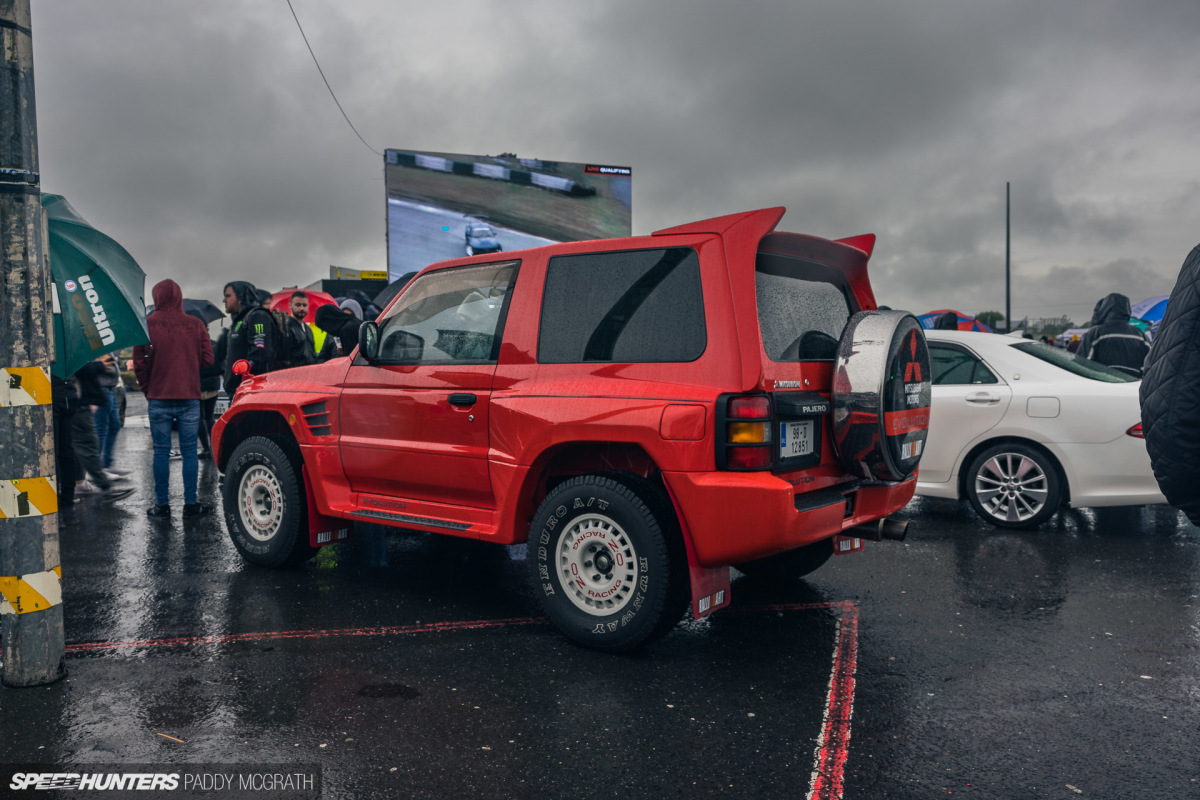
[(168, 372)]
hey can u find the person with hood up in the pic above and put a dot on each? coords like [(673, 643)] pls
[(946, 322), (1170, 394), (1112, 340), (341, 324), (168, 372), (252, 335)]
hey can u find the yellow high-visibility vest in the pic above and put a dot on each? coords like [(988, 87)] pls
[(318, 338)]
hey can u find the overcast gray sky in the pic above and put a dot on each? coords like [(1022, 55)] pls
[(201, 136)]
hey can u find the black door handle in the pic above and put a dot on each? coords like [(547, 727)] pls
[(462, 399)]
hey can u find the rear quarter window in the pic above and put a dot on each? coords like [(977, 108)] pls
[(803, 307), (631, 306)]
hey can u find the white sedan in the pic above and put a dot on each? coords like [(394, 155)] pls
[(1021, 428)]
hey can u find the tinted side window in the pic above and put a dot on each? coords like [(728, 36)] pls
[(624, 306), (953, 366)]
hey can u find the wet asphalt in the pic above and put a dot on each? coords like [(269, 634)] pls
[(1062, 662)]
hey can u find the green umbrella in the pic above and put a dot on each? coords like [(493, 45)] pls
[(100, 290)]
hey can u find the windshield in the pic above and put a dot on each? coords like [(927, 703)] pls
[(481, 231), (1074, 364)]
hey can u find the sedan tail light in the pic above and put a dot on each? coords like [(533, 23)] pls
[(1136, 431)]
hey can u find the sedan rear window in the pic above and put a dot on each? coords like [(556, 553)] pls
[(1074, 364)]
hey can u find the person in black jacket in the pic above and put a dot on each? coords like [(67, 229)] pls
[(1112, 340), (946, 322), (302, 346), (252, 336), (83, 432), (342, 325), (210, 387), (66, 402), (1170, 394)]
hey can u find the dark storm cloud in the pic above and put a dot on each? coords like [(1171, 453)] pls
[(202, 136)]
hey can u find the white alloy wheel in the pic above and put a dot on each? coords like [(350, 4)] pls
[(597, 564), (261, 502)]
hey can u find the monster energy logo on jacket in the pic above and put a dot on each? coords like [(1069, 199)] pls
[(252, 338)]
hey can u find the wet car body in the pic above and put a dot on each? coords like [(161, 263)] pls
[(1040, 411), (657, 396)]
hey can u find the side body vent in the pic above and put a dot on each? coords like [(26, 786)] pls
[(316, 415)]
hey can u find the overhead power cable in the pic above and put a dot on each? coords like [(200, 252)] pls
[(327, 86)]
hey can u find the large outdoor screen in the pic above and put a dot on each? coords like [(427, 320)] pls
[(448, 205)]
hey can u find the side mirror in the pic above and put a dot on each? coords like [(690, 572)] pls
[(368, 341), (240, 367)]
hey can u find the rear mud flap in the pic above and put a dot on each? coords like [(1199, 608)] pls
[(710, 585)]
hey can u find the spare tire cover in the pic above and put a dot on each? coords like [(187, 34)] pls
[(881, 394)]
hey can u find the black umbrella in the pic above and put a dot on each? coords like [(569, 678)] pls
[(205, 310), (389, 292), (202, 310)]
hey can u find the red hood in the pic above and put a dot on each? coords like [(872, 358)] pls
[(168, 296)]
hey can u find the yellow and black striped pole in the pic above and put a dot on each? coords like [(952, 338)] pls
[(31, 619)]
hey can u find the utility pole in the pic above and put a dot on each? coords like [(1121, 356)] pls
[(31, 619), (1007, 256)]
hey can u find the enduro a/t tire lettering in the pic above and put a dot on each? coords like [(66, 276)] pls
[(604, 570), (264, 504)]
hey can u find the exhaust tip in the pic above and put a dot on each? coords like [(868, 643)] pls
[(892, 529)]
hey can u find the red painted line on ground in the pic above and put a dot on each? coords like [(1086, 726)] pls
[(231, 638), (833, 745)]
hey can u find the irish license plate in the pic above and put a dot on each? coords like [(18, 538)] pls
[(795, 438)]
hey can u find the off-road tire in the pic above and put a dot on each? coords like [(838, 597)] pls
[(265, 508), (607, 563)]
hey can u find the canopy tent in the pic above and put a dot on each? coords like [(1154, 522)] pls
[(1150, 310), (282, 301), (965, 323)]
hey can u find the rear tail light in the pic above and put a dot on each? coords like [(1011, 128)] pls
[(1136, 431), (744, 438), (750, 407)]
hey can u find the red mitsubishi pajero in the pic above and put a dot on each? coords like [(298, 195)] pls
[(644, 412)]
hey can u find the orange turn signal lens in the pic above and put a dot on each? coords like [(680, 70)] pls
[(749, 433)]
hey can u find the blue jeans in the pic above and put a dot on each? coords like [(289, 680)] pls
[(162, 414), (108, 423)]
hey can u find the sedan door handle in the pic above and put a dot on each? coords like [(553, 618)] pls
[(462, 399), (983, 399)]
